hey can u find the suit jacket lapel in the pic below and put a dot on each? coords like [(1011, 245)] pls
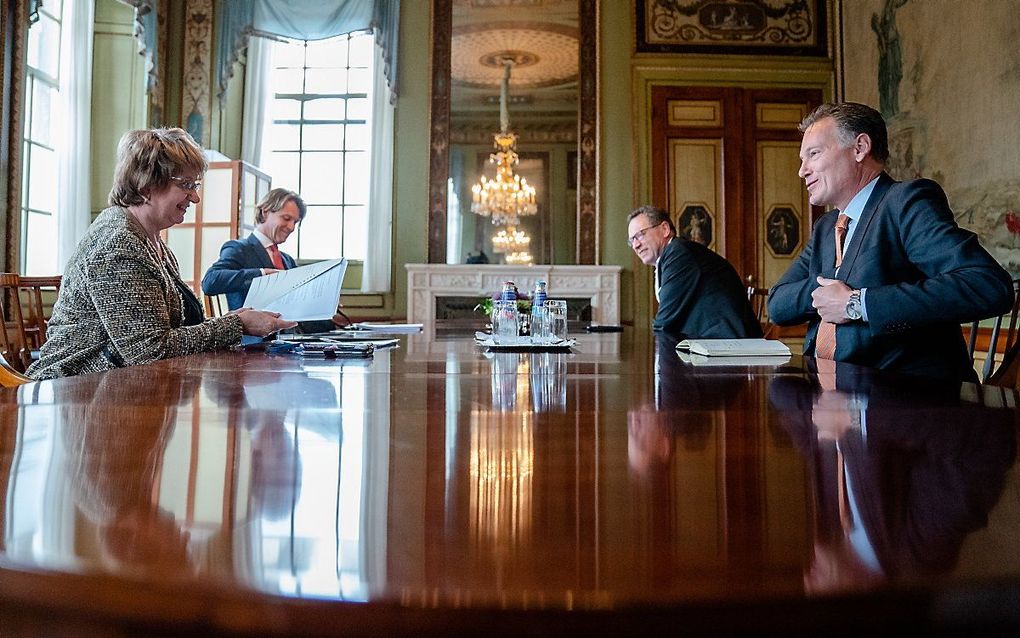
[(260, 250), (851, 251)]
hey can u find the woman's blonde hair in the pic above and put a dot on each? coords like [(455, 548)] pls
[(277, 199), (148, 158)]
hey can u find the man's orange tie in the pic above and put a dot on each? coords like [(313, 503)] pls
[(825, 340), (274, 254)]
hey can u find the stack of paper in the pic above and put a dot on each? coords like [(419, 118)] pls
[(389, 327), (734, 347)]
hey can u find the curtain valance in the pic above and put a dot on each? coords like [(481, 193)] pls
[(305, 20)]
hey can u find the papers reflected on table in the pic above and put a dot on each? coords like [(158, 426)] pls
[(389, 327), (307, 293), (734, 347), (762, 360)]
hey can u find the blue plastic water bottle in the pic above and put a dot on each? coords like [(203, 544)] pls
[(509, 292)]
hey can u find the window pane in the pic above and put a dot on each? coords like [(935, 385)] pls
[(42, 177), (323, 137), (360, 80), (321, 176), (361, 49), (355, 237), (331, 52), (324, 109), (289, 54), (357, 109), (357, 137), (326, 81), (320, 233), (283, 168), (356, 178), (44, 46), (26, 158), (286, 109), (286, 81), (43, 103), (285, 137), (41, 251)]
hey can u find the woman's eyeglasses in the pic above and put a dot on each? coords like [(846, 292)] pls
[(191, 185)]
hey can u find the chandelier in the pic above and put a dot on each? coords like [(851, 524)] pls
[(510, 240), (506, 197)]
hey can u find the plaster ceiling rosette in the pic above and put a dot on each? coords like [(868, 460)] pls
[(544, 54)]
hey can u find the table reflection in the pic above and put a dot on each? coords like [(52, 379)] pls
[(535, 379), (256, 475), (899, 481)]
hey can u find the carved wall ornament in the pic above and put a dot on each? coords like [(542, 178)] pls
[(751, 27)]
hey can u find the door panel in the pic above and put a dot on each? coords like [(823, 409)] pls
[(695, 190), (724, 164)]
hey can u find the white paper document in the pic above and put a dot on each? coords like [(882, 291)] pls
[(389, 327), (307, 293), (702, 360), (734, 347)]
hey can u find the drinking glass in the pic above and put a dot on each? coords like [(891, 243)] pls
[(505, 324), (557, 310), (540, 329)]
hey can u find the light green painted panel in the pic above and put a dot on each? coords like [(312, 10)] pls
[(118, 92)]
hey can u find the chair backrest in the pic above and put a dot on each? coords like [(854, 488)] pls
[(36, 317), (759, 297), (14, 346), (215, 305), (9, 377), (993, 340)]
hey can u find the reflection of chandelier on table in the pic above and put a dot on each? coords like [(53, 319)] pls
[(507, 197)]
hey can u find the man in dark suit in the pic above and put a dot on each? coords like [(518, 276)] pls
[(242, 260), (893, 289), (700, 294)]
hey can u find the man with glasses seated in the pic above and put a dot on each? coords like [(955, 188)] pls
[(700, 294)]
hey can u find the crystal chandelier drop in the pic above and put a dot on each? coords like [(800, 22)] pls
[(506, 197), (510, 240)]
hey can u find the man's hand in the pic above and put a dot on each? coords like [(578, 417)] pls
[(269, 271), (830, 300)]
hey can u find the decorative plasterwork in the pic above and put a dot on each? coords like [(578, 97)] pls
[(544, 54)]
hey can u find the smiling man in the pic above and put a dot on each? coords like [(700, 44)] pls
[(700, 294), (242, 260), (888, 276)]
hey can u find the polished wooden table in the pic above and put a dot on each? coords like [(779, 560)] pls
[(436, 489)]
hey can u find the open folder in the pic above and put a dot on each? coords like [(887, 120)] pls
[(300, 294)]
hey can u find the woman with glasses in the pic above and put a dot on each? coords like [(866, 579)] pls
[(122, 301)]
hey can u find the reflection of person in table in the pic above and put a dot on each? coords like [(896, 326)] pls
[(116, 428), (122, 301), (901, 473), (243, 260)]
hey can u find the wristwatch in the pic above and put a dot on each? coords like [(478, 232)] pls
[(853, 306)]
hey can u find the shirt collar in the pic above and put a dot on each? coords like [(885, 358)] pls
[(266, 242), (855, 208)]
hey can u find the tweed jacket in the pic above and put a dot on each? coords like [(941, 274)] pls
[(119, 306)]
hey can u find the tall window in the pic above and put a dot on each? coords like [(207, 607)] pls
[(318, 137), (40, 146)]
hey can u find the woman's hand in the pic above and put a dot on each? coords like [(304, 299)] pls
[(261, 323)]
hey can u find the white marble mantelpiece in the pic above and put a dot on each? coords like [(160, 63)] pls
[(428, 282)]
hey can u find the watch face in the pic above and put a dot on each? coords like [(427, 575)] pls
[(853, 307)]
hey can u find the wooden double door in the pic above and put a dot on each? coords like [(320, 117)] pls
[(724, 164)]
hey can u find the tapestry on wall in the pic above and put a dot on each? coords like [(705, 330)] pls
[(948, 95), (749, 27)]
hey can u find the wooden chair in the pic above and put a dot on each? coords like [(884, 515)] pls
[(993, 340), (36, 317), (759, 301), (215, 305), (9, 377), (14, 345)]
